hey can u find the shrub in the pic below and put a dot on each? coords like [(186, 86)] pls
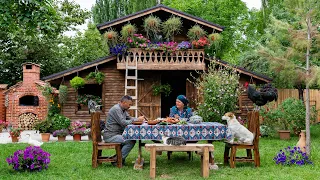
[(119, 49), (219, 91), (196, 32), (77, 127), (44, 126), (292, 156), (171, 26), (60, 132), (60, 122), (77, 82), (33, 158), (97, 76), (137, 41), (201, 43), (152, 25)]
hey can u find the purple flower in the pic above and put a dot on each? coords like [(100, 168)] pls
[(291, 156), (32, 158)]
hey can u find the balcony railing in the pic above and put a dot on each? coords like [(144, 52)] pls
[(191, 59)]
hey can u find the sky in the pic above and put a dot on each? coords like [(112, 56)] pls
[(87, 4)]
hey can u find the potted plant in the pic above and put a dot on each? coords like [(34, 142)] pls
[(77, 129), (171, 26), (119, 49), (162, 88), (128, 31), (97, 76), (45, 128), (63, 94), (61, 134), (77, 82), (3, 125), (152, 25), (112, 37), (184, 45), (15, 133), (195, 33), (201, 43)]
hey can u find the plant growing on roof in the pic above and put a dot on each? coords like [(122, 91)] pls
[(63, 94), (128, 31), (152, 26), (97, 76), (171, 26), (195, 33), (77, 82), (111, 37)]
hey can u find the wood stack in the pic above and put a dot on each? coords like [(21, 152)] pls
[(27, 121)]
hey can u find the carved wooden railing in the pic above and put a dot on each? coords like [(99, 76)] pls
[(191, 59)]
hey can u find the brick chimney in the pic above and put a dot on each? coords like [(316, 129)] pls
[(31, 72)]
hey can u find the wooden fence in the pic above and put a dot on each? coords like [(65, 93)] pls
[(283, 94)]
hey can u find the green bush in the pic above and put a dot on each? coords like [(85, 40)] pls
[(60, 122), (77, 82), (289, 115), (44, 126), (220, 90)]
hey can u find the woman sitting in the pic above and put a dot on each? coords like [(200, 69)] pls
[(181, 110)]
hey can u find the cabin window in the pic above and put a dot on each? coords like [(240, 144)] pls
[(89, 89), (28, 66), (29, 101)]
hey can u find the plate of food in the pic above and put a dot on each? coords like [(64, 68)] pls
[(152, 122), (172, 120), (137, 122)]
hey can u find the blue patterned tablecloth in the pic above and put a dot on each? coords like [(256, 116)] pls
[(191, 132)]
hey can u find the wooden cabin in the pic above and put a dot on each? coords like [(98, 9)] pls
[(136, 72)]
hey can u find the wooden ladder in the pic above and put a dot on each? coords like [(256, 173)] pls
[(135, 87)]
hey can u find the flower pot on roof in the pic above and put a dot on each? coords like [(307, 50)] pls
[(111, 37), (195, 33), (171, 27), (128, 31), (152, 26)]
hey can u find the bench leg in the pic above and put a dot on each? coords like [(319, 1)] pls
[(226, 154), (233, 156), (153, 162), (205, 163)]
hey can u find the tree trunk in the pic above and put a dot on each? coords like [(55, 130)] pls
[(308, 141)]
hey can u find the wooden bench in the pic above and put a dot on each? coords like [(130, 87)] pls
[(202, 149)]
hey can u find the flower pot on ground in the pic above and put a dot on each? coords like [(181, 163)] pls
[(45, 128), (15, 138), (61, 138), (45, 137), (77, 137), (61, 134), (77, 129), (15, 133), (284, 134)]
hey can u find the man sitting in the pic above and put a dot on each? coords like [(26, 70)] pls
[(118, 118)]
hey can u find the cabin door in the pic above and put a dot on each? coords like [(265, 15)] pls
[(149, 105)]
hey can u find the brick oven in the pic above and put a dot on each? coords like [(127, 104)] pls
[(25, 102)]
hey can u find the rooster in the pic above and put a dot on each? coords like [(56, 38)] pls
[(266, 94)]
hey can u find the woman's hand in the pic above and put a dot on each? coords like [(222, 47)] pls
[(176, 116), (141, 118)]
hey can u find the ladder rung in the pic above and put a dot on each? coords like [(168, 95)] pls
[(132, 77), (131, 67), (131, 87), (134, 97), (134, 107)]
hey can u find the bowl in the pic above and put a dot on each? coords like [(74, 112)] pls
[(137, 122)]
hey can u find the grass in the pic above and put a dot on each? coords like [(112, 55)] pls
[(72, 160)]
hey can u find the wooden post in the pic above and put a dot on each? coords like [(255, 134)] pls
[(153, 162)]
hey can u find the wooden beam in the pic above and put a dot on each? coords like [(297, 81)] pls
[(157, 66), (83, 68)]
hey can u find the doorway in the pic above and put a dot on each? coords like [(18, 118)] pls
[(177, 81)]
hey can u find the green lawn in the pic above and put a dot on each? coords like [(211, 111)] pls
[(72, 160)]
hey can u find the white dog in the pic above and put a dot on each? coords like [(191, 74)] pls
[(237, 130)]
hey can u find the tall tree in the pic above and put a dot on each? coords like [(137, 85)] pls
[(292, 52), (30, 32), (107, 10)]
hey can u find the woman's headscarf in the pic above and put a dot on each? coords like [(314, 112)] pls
[(183, 99)]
